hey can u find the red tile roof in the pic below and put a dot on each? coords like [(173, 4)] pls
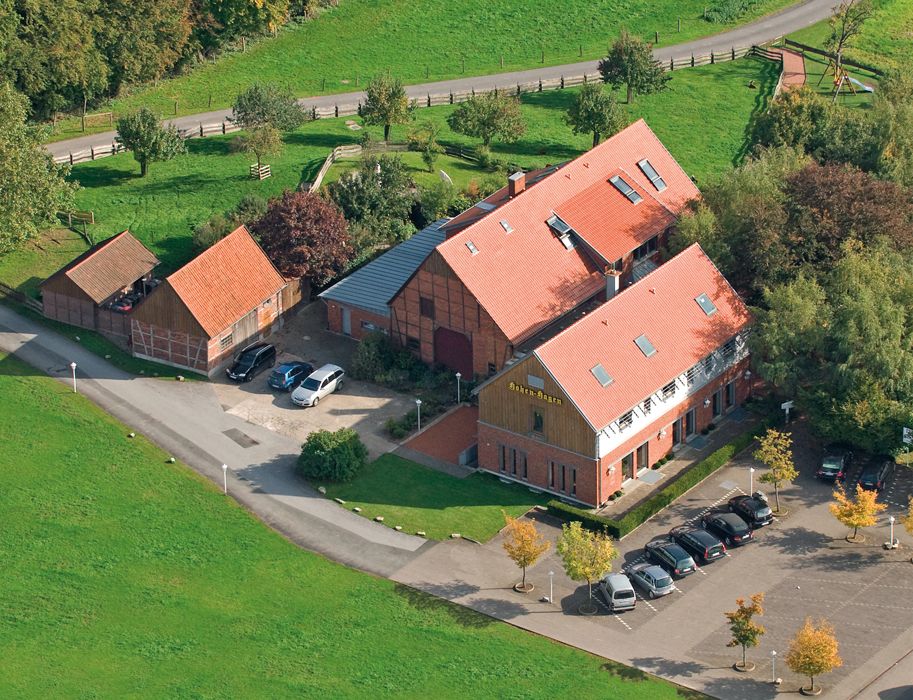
[(109, 266), (661, 306), (226, 282), (526, 278)]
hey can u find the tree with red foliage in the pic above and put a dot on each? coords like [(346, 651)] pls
[(305, 236)]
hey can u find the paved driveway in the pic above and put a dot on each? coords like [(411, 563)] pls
[(365, 407)]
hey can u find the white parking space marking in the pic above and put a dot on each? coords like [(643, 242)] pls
[(698, 568), (618, 617), (646, 602), (678, 590), (729, 494)]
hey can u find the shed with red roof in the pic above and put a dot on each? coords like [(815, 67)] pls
[(601, 401)]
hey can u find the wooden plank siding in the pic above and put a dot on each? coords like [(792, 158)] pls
[(164, 308), (512, 410)]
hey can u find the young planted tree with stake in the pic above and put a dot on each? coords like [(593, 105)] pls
[(264, 111), (856, 512), (745, 631), (776, 453), (630, 63), (524, 544), (586, 556), (594, 111), (386, 103), (813, 651)]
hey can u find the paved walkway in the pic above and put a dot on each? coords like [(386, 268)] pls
[(759, 32), (793, 68)]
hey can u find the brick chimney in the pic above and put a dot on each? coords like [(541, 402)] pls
[(612, 283), (516, 183)]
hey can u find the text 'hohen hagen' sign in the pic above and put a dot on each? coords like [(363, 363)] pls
[(535, 393)]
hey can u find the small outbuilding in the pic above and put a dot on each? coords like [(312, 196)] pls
[(99, 289), (227, 297)]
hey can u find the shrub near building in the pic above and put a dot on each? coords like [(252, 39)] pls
[(332, 456)]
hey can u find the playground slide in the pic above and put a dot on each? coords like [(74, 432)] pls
[(861, 86)]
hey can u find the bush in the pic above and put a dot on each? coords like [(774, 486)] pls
[(336, 456), (726, 11), (638, 515), (373, 356), (211, 232)]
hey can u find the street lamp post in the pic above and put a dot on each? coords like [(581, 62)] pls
[(418, 409), (73, 367), (891, 520), (551, 587), (458, 377), (748, 380), (225, 479), (750, 480), (773, 667)]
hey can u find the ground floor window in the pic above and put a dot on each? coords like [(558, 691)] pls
[(412, 343), (717, 403), (502, 458), (524, 466), (573, 482), (551, 475), (730, 395), (226, 341)]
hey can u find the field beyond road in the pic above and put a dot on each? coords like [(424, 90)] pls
[(130, 577)]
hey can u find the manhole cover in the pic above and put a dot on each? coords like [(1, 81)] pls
[(240, 438)]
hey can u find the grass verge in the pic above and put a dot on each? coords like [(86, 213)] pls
[(423, 41), (137, 577), (418, 498)]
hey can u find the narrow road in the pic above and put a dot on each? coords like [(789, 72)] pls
[(760, 31), (187, 420)]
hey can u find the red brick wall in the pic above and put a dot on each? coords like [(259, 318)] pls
[(358, 316)]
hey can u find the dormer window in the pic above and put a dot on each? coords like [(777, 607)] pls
[(622, 186), (652, 175), (561, 230)]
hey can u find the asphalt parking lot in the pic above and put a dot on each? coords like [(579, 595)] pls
[(359, 405)]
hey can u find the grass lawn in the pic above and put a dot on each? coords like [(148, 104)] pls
[(702, 118), (421, 41), (136, 578), (418, 498), (886, 39), (816, 67), (461, 171)]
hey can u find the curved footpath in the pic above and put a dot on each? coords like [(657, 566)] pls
[(758, 32)]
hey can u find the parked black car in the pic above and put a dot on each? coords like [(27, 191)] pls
[(700, 543), (729, 527), (875, 474), (834, 464), (753, 510), (670, 556), (251, 361)]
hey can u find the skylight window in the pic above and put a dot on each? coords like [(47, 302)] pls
[(646, 347), (622, 186), (472, 247), (486, 206), (562, 231), (707, 306), (601, 375), (652, 175), (506, 226)]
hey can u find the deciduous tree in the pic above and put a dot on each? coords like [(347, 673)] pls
[(814, 651), (487, 116), (846, 24), (32, 187), (424, 140), (386, 103), (149, 140), (305, 236), (586, 555), (332, 456), (630, 62), (523, 543), (776, 453), (267, 104), (261, 142), (594, 111), (856, 512), (745, 631)]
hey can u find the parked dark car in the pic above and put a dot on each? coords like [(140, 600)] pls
[(875, 474), (251, 361), (702, 544), (288, 375), (670, 556), (753, 510), (834, 464), (729, 527)]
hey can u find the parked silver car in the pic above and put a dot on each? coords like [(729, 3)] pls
[(652, 578), (319, 384)]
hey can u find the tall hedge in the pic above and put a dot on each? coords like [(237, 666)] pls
[(332, 456)]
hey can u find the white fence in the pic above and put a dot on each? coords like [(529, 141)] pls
[(433, 100)]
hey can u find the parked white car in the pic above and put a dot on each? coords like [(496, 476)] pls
[(319, 384)]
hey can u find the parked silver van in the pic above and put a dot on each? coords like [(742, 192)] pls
[(618, 592)]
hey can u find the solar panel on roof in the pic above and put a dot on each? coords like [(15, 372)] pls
[(706, 304), (646, 347), (622, 186), (652, 175), (601, 375)]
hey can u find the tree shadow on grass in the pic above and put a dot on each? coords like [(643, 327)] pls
[(317, 139), (104, 176), (435, 598)]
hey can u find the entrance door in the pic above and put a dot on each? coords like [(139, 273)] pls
[(643, 458), (346, 321), (627, 467), (677, 432), (730, 395), (717, 403), (454, 350), (690, 423)]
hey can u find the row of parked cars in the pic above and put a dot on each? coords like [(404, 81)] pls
[(836, 462), (677, 556), (306, 384)]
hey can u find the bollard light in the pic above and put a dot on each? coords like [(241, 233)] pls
[(225, 478)]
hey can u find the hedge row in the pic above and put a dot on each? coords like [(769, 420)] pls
[(688, 479)]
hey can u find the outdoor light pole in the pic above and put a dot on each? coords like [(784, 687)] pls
[(458, 376), (225, 478), (773, 666), (551, 587), (73, 367), (891, 520), (418, 408), (750, 480), (748, 379)]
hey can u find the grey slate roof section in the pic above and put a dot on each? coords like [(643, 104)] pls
[(373, 286)]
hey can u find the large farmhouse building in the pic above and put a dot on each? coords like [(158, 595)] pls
[(198, 317), (99, 289), (533, 254), (595, 405)]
